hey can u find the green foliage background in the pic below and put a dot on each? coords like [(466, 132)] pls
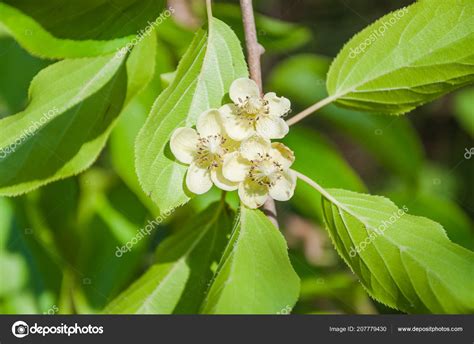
[(79, 196)]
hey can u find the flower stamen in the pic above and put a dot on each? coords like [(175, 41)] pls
[(211, 150), (252, 108), (265, 171)]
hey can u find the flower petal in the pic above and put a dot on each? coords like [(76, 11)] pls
[(255, 148), (284, 188), (198, 179), (236, 128), (235, 167), (221, 182), (252, 194), (278, 106), (209, 123), (272, 127), (282, 154), (183, 144), (243, 88)]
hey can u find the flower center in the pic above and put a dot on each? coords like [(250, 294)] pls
[(211, 150), (251, 108), (265, 171)]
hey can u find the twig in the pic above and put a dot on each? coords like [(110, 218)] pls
[(184, 14), (254, 51), (310, 110)]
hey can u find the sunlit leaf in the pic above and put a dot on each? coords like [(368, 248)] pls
[(73, 106), (204, 75), (447, 213), (406, 58), (134, 114), (404, 261), (255, 275)]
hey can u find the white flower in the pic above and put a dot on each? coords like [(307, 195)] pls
[(251, 114), (204, 150), (262, 169)]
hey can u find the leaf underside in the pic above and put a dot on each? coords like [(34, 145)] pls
[(404, 261), (420, 56)]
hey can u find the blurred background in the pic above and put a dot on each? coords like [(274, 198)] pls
[(58, 243)]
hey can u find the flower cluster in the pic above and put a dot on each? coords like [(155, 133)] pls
[(231, 147)]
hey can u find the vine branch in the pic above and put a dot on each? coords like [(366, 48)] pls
[(254, 52)]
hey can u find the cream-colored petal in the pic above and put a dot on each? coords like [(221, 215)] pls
[(284, 188), (209, 123), (222, 182), (183, 144), (282, 154), (243, 88), (271, 127), (278, 106), (236, 128), (235, 167), (198, 179), (252, 195), (255, 148)]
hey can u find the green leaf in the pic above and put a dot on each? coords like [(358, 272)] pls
[(447, 213), (404, 261), (37, 27), (273, 34), (203, 77), (255, 275), (17, 68), (464, 109), (406, 58), (319, 160), (134, 114), (179, 280), (73, 106), (111, 217), (141, 66), (388, 139), (167, 78)]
